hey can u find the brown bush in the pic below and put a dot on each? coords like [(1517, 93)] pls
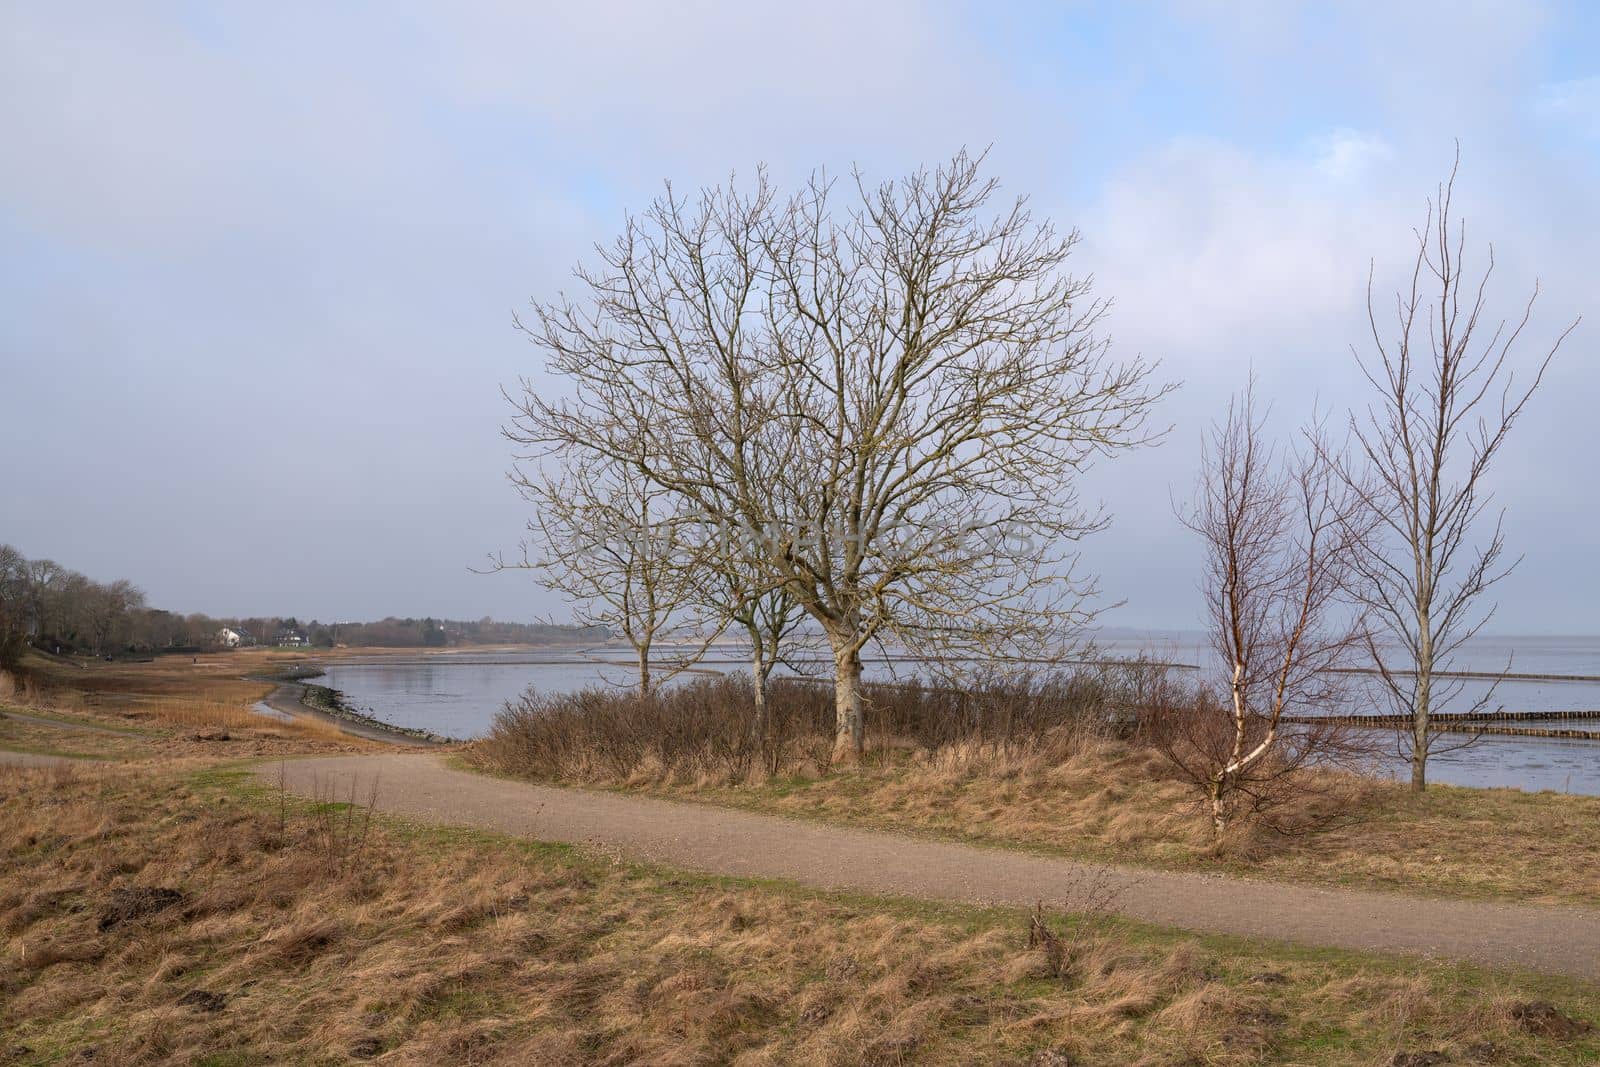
[(703, 728), (1295, 789)]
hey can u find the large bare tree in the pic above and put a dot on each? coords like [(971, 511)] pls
[(44, 580), (1280, 535), (1445, 397), (892, 399), (106, 608)]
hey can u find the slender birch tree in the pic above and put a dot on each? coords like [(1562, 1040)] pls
[(1445, 395), (1279, 541)]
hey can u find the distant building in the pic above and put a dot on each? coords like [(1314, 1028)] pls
[(228, 637), (292, 639)]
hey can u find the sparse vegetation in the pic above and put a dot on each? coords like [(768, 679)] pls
[(1060, 769), (701, 730), (157, 919), (133, 710)]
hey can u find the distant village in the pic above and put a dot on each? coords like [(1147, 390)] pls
[(395, 632)]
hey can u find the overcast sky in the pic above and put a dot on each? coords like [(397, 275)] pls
[(258, 262)]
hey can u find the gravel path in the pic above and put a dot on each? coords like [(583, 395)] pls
[(1551, 940)]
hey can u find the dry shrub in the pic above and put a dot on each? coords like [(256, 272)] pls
[(1093, 893), (1300, 786)]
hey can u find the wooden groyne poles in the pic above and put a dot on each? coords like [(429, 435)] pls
[(1486, 676), (1489, 724), (1452, 717)]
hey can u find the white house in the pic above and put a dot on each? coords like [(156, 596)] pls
[(231, 638)]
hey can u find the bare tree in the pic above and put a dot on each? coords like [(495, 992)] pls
[(612, 543), (1279, 541), (43, 579), (106, 607), (893, 403), (13, 606), (768, 615), (1446, 397)]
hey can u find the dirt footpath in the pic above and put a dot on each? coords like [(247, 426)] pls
[(1551, 940)]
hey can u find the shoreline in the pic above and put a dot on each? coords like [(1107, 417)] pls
[(299, 698)]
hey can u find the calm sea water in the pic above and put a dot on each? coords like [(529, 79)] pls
[(459, 693)]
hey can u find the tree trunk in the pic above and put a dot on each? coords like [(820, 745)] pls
[(644, 671), (1422, 708), (758, 683), (849, 738), (1219, 811)]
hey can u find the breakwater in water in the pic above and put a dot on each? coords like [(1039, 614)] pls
[(1488, 724)]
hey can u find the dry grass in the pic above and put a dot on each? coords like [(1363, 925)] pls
[(1042, 767), (167, 707), (1117, 801), (157, 921), (206, 713), (63, 737)]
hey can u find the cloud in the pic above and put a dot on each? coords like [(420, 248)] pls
[(1350, 155), (1213, 249), (1574, 104), (233, 234)]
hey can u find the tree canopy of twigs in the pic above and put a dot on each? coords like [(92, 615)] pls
[(884, 402), (766, 613), (1446, 393), (611, 542)]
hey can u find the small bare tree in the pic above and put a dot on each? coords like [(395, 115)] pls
[(1279, 542), (613, 543), (767, 615), (1446, 398)]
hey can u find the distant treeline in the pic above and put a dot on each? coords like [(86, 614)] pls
[(57, 610), (51, 606), (407, 632)]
